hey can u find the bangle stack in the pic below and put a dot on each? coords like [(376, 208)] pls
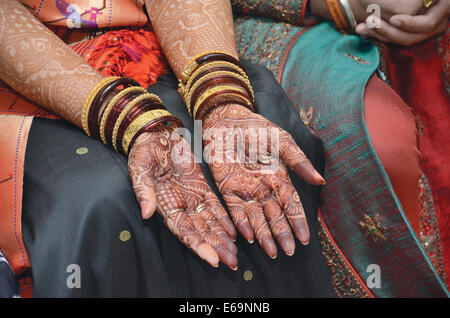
[(212, 79), (118, 110), (342, 14)]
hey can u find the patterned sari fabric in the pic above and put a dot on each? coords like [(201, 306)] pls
[(363, 223), (97, 34), (51, 225)]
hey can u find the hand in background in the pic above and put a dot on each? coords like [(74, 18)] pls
[(408, 29)]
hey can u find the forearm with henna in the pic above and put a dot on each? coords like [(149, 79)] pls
[(40, 66), (187, 28)]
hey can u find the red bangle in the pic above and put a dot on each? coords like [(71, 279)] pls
[(211, 70), (99, 99), (115, 113), (211, 57), (216, 82)]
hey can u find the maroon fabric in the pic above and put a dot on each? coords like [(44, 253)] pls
[(418, 76)]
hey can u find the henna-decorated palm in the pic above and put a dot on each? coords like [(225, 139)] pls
[(256, 188), (166, 177)]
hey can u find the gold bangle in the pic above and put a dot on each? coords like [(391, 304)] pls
[(192, 64), (212, 91), (111, 105), (182, 88), (88, 101), (125, 111), (140, 122), (427, 3), (212, 75)]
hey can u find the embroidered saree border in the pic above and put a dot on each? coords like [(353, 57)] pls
[(263, 42), (429, 229), (325, 73), (346, 282), (292, 11)]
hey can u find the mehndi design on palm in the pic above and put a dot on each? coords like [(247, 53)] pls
[(259, 195), (165, 176)]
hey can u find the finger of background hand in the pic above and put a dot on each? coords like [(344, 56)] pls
[(425, 23), (236, 207), (292, 207), (143, 187), (395, 35), (260, 227), (220, 214), (293, 156), (363, 30), (278, 224)]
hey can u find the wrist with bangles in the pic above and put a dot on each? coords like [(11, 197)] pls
[(118, 110), (212, 79), (343, 15)]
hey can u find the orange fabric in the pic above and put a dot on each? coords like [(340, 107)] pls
[(389, 118), (13, 141), (127, 53)]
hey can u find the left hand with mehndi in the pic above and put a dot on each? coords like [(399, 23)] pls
[(259, 194)]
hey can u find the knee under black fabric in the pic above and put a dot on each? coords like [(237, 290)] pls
[(85, 237)]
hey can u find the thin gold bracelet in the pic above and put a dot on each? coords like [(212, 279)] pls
[(125, 111), (88, 101), (138, 123), (111, 105)]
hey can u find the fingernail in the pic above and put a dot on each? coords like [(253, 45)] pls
[(396, 22), (319, 178), (251, 241), (207, 253), (235, 268), (269, 247), (305, 243), (287, 243)]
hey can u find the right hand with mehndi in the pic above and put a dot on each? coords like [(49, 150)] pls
[(166, 177), (258, 191)]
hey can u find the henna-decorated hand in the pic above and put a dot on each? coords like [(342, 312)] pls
[(256, 188), (166, 177)]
